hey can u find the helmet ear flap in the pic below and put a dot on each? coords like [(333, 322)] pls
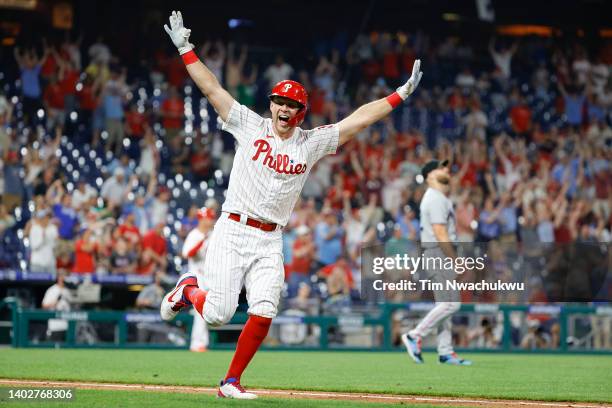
[(298, 119)]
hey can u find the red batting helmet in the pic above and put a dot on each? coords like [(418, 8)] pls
[(296, 92), (206, 213)]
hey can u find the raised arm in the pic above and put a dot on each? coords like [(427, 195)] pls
[(46, 53), (152, 185), (372, 112), (243, 56), (61, 63), (55, 192), (492, 46), (221, 49), (254, 72), (19, 57), (499, 148), (220, 99)]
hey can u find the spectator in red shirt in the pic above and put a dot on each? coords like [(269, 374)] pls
[(391, 66), (334, 193), (154, 251), (84, 254), (173, 113), (520, 115), (88, 96), (135, 124), (53, 100), (371, 70), (128, 231), (339, 281), (374, 150), (456, 101), (175, 71), (408, 56), (49, 65), (69, 77), (304, 251), (64, 263), (341, 264), (316, 106)]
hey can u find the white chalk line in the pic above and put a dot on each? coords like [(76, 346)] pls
[(312, 394)]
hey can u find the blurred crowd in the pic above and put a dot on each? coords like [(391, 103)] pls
[(105, 163)]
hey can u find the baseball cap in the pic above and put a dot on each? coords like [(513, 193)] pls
[(431, 166)]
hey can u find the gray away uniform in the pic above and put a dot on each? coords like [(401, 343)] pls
[(437, 208)]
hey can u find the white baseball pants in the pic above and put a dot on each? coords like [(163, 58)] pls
[(240, 255)]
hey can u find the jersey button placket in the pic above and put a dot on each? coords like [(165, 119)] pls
[(273, 181)]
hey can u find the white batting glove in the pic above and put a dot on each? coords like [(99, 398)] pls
[(178, 33), (405, 90)]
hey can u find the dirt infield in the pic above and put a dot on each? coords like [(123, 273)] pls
[(320, 395)]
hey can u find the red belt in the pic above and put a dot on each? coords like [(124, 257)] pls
[(254, 223)]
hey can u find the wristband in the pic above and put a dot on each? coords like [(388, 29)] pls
[(394, 100), (190, 57)]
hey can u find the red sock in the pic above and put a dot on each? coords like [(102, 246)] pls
[(196, 296), (254, 332)]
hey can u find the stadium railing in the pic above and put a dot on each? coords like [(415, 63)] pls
[(22, 320)]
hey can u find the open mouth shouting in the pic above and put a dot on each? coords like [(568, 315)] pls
[(283, 118)]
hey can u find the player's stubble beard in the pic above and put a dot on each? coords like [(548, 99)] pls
[(443, 179), (440, 182)]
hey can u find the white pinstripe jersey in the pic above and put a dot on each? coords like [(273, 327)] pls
[(195, 262), (268, 172)]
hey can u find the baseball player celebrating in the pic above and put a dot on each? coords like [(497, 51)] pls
[(272, 161), (194, 250), (437, 235)]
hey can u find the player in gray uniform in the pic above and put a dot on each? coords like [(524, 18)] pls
[(437, 235)]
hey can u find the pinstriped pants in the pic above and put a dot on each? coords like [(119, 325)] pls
[(240, 255)]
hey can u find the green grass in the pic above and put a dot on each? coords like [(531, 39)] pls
[(541, 377), (127, 399)]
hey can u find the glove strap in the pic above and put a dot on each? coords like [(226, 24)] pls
[(190, 57), (394, 100)]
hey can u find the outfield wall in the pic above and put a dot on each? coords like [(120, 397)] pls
[(350, 331)]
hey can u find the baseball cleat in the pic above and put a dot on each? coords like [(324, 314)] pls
[(413, 346), (453, 359), (174, 301), (231, 388)]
